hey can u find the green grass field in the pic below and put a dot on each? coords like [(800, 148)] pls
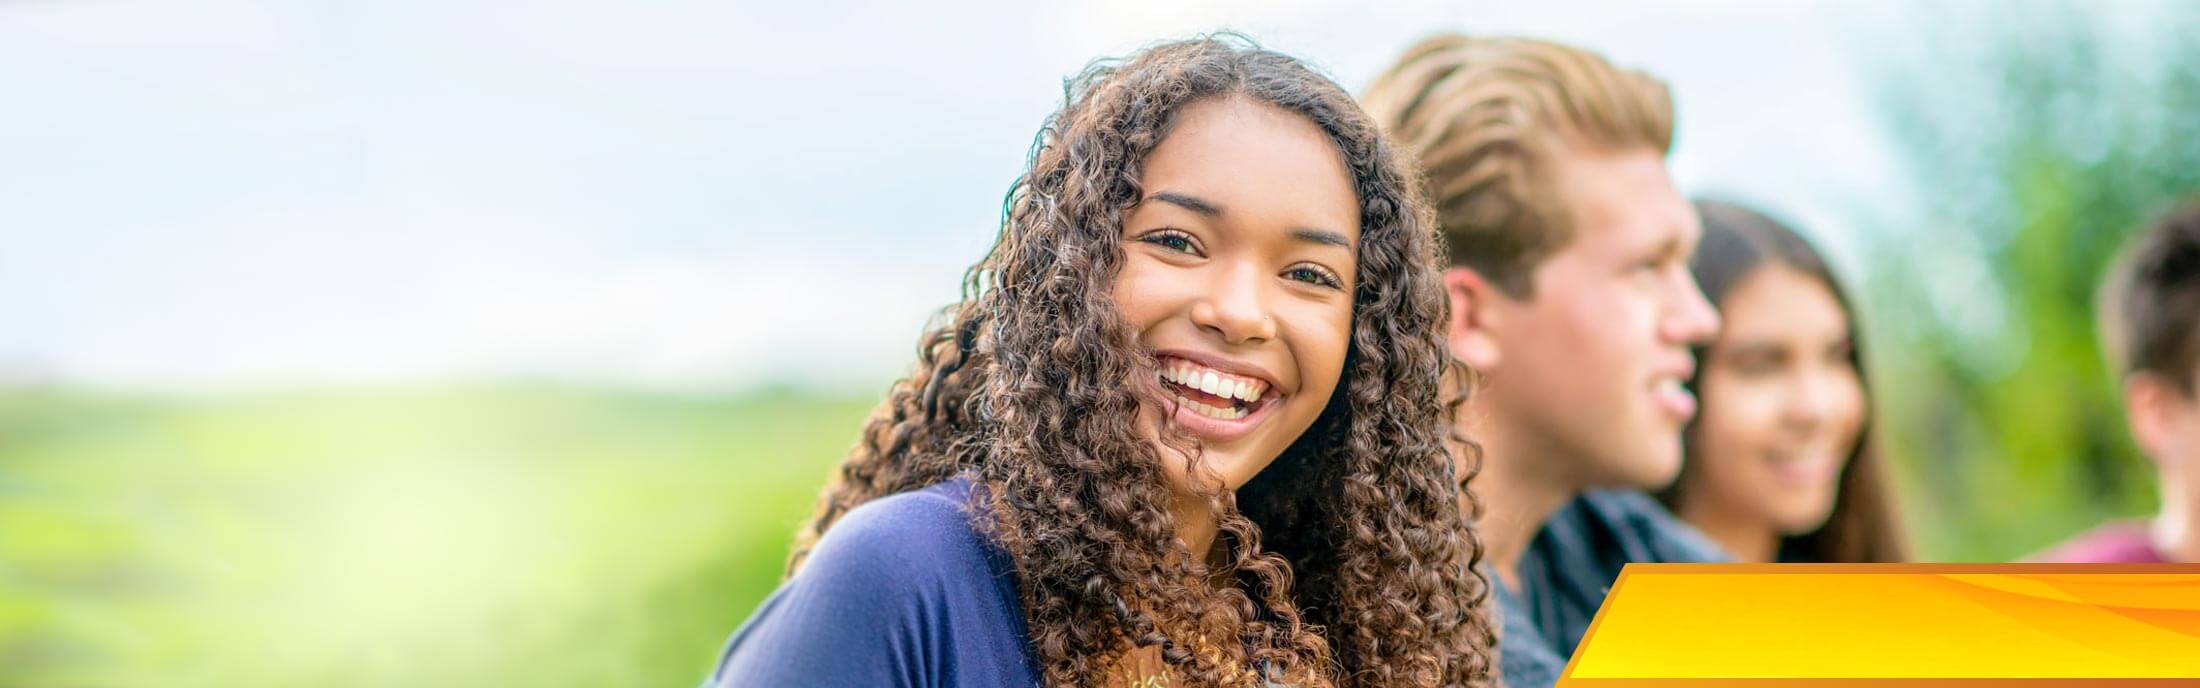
[(514, 535), (483, 536)]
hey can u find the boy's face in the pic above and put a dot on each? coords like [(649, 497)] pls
[(1589, 369)]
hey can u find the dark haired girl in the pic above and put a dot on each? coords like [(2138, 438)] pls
[(1779, 464)]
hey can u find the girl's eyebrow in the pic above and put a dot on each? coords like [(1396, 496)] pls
[(1187, 202), (1321, 236), (1210, 209)]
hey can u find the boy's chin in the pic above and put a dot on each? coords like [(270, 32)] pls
[(1651, 471)]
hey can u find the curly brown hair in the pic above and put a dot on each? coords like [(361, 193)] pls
[(1026, 385)]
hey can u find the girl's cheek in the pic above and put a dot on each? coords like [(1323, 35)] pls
[(1742, 417), (1853, 410)]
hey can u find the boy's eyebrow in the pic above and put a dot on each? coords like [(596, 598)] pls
[(1186, 202)]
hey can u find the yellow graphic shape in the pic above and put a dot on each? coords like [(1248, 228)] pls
[(1894, 624)]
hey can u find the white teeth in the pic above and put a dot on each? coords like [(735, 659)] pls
[(1210, 411), (1205, 380)]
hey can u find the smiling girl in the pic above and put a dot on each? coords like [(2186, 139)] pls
[(1184, 428), (1779, 464)]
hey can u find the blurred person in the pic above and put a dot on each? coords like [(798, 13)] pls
[(1571, 298), (1187, 426), (1780, 464), (2149, 315)]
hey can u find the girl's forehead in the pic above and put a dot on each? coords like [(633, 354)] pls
[(1256, 162)]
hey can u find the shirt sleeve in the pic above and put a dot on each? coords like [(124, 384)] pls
[(855, 615)]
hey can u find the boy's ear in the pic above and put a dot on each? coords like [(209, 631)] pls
[(2151, 404), (1471, 334)]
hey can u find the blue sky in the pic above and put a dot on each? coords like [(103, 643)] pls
[(227, 194)]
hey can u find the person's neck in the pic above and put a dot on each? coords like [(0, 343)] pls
[(2175, 532), (1195, 525), (1520, 486), (1748, 540)]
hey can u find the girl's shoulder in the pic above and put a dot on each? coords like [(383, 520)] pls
[(920, 538), (903, 590)]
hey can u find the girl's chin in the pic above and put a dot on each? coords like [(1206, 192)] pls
[(1792, 524)]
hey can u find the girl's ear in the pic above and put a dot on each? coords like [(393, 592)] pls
[(1469, 334)]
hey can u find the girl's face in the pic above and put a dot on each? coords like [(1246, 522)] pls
[(1782, 405), (1238, 274)]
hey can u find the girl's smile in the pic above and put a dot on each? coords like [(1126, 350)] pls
[(1216, 398)]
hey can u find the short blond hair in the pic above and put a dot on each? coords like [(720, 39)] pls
[(1477, 114)]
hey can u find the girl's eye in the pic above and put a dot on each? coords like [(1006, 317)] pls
[(1172, 240), (1758, 365), (1314, 275)]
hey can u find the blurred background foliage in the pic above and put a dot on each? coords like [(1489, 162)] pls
[(542, 535), (2036, 142), (509, 535)]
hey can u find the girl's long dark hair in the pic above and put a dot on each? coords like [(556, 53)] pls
[(1862, 528), (1027, 384)]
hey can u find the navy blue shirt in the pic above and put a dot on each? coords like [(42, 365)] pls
[(904, 590), (1569, 566)]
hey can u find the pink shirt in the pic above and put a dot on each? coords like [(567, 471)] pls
[(2120, 542)]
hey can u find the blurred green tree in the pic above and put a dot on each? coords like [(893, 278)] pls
[(2036, 142)]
